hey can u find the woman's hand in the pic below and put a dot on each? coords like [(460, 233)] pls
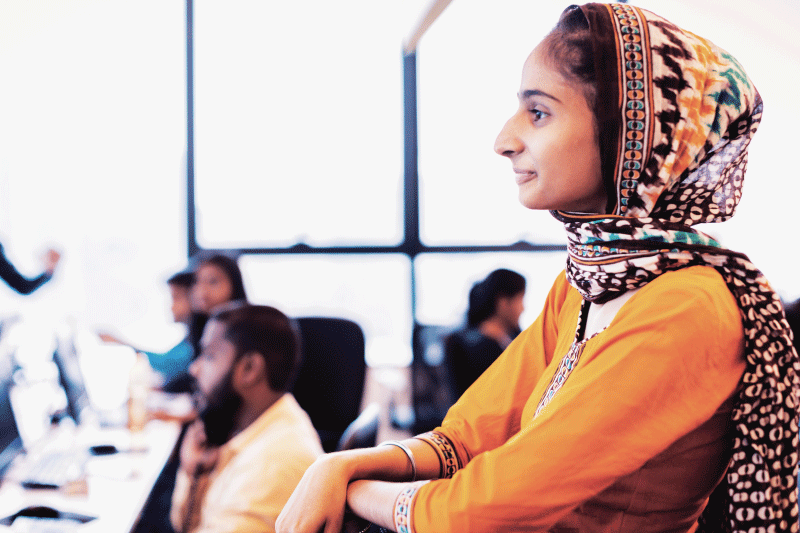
[(318, 502)]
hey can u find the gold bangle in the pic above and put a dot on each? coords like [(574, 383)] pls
[(408, 453)]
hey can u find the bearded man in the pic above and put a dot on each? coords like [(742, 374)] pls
[(243, 457)]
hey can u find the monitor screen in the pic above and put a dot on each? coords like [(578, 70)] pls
[(70, 376), (10, 442)]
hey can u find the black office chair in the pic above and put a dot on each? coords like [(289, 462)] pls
[(431, 380), (363, 431), (330, 381)]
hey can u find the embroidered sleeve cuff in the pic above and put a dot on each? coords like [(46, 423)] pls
[(402, 508), (449, 462)]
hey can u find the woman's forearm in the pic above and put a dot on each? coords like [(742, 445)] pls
[(374, 500), (319, 499), (374, 492), (390, 463)]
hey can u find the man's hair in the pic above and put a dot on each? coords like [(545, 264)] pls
[(267, 331), (182, 279)]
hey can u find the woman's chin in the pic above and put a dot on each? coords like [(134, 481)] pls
[(532, 201)]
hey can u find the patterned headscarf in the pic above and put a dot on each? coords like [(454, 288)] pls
[(676, 115)]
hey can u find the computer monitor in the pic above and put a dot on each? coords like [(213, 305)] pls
[(10, 440), (70, 376)]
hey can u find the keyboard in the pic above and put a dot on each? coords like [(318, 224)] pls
[(53, 470), (25, 524)]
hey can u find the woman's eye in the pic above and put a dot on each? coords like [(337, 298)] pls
[(538, 114)]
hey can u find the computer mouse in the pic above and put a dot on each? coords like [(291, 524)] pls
[(103, 449), (39, 511)]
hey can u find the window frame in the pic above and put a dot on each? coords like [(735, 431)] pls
[(411, 245)]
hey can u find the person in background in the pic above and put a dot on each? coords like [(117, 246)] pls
[(170, 363), (20, 283), (218, 281), (658, 389), (252, 442), (495, 305)]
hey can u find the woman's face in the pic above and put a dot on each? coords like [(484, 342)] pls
[(509, 309), (552, 142), (212, 287)]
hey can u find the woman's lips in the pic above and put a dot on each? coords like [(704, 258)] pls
[(523, 176)]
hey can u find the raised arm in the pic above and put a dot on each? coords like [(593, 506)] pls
[(20, 283)]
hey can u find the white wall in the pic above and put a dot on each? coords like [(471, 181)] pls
[(92, 144), (763, 37)]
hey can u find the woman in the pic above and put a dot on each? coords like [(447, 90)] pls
[(217, 280), (495, 305), (658, 389)]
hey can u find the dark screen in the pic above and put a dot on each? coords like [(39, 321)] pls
[(71, 377), (10, 442)]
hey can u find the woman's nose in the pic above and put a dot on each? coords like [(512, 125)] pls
[(507, 143)]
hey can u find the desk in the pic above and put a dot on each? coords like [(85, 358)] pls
[(117, 485)]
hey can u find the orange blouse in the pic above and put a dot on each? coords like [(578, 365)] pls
[(658, 374)]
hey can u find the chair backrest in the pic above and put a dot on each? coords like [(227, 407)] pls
[(363, 431), (432, 388), (330, 381), (468, 353)]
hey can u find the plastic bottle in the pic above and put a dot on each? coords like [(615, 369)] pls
[(138, 389)]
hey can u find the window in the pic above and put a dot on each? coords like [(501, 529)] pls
[(372, 290), (263, 132), (298, 123), (470, 64), (445, 281)]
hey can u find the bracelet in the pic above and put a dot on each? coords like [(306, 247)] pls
[(423, 438), (408, 453), (448, 458)]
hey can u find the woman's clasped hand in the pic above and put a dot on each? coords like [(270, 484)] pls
[(318, 502)]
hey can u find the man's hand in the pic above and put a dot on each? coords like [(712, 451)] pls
[(196, 456), (51, 259)]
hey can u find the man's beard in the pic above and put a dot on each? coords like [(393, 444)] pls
[(219, 413)]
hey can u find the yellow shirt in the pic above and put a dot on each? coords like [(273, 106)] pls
[(669, 359), (256, 473)]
